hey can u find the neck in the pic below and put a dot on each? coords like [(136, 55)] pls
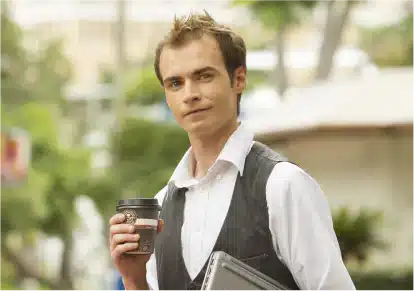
[(206, 148)]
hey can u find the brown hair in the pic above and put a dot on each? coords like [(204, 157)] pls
[(194, 26)]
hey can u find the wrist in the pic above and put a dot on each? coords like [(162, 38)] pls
[(137, 282), (129, 284)]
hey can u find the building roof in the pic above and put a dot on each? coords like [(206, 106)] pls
[(382, 99)]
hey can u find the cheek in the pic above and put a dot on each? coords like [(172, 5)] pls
[(171, 104), (219, 92), (174, 105), (227, 99)]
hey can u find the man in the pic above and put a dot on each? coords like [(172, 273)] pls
[(228, 192)]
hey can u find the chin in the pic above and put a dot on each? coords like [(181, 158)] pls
[(199, 128)]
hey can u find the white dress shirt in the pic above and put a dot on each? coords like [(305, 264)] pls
[(299, 217)]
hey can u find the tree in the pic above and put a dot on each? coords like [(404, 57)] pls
[(147, 153), (45, 203), (279, 16), (358, 233), (143, 87), (282, 15), (22, 70), (32, 85), (390, 45), (336, 18), (12, 66)]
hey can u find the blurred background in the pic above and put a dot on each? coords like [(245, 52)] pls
[(84, 123)]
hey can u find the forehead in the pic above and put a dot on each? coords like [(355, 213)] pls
[(196, 54)]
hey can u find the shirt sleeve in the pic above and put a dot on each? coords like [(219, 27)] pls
[(152, 278), (302, 230)]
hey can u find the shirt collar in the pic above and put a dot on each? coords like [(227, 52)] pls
[(234, 151)]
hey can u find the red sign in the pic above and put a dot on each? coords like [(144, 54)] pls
[(15, 156)]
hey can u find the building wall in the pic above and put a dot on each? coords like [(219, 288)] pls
[(372, 170)]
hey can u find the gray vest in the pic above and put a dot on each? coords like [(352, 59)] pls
[(244, 235)]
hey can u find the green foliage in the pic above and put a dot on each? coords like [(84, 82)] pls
[(45, 201), (383, 280), (143, 87), (52, 69), (7, 286), (31, 92), (7, 275), (392, 45), (104, 192), (106, 76), (276, 13), (30, 76), (10, 49), (34, 83), (357, 234), (147, 153)]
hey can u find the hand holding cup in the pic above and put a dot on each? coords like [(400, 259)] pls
[(132, 236)]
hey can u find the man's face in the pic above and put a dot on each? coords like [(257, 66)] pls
[(197, 86)]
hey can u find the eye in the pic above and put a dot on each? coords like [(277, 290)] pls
[(205, 76), (175, 84)]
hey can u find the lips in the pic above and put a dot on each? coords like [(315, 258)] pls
[(197, 111)]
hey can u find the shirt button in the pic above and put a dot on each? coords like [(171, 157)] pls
[(218, 177)]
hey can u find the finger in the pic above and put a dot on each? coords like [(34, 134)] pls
[(120, 239), (160, 225), (121, 249), (123, 238), (117, 219), (119, 229)]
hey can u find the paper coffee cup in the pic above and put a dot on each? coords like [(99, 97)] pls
[(142, 213)]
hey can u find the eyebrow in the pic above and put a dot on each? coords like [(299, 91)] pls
[(195, 72)]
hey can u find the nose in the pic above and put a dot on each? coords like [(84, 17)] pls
[(191, 92)]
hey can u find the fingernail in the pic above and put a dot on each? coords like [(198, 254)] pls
[(137, 236)]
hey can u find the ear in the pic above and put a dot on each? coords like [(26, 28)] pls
[(240, 79)]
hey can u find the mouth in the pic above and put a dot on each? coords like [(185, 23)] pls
[(197, 111)]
